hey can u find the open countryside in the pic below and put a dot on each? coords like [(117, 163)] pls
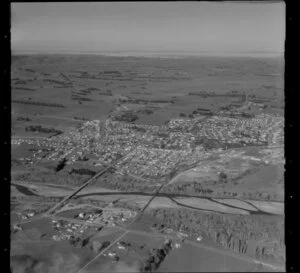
[(85, 175), (147, 138)]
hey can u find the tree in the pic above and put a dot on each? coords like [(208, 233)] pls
[(105, 244), (153, 267), (96, 246), (61, 165), (223, 177), (146, 267)]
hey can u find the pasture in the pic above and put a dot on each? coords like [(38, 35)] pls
[(130, 259), (91, 85), (191, 258)]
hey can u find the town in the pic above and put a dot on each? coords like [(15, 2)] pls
[(157, 149)]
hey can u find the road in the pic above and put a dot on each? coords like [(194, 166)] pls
[(85, 184), (255, 209), (193, 243), (102, 251), (163, 194), (52, 210), (273, 267), (214, 249), (126, 230), (211, 248), (157, 234)]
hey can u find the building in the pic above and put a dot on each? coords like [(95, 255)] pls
[(111, 254), (199, 239), (177, 245)]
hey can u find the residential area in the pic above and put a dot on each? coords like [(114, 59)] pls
[(155, 150)]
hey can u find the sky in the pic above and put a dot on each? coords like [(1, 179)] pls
[(211, 27)]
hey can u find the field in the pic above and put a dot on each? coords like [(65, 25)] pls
[(42, 190), (32, 249), (250, 173), (139, 200), (134, 200), (227, 195), (96, 84), (190, 258), (263, 178), (19, 207), (130, 259), (36, 230), (145, 222)]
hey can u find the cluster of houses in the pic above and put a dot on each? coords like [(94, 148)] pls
[(26, 216), (157, 149), (113, 216), (16, 228), (255, 130), (178, 237), (121, 245), (155, 163), (19, 141), (107, 216), (274, 155), (66, 230)]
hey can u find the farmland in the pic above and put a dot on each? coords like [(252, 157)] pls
[(132, 256), (123, 163), (196, 259)]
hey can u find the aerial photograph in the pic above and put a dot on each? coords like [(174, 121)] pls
[(147, 137)]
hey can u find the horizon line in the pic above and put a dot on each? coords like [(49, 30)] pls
[(150, 53)]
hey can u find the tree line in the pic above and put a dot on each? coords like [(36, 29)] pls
[(156, 257), (254, 235), (188, 188), (126, 183), (39, 128), (38, 103), (82, 171)]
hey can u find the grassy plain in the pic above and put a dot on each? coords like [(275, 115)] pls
[(250, 173), (190, 258), (65, 79), (32, 249), (131, 258)]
